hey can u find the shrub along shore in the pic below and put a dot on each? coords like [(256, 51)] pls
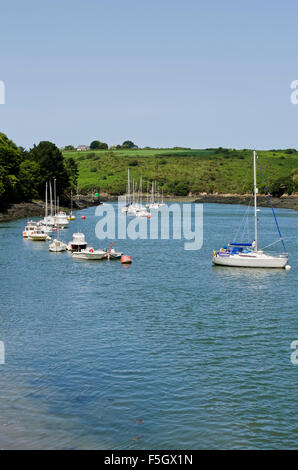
[(203, 175)]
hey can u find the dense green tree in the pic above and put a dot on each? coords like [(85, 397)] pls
[(97, 145), (10, 159), (283, 185), (69, 147), (51, 165), (73, 172), (28, 180), (128, 144)]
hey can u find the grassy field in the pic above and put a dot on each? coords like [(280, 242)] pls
[(181, 172)]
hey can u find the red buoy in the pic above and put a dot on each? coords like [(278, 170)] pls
[(149, 216), (83, 217), (125, 259)]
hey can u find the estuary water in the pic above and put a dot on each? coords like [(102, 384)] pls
[(166, 353)]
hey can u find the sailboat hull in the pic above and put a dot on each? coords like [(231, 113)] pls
[(251, 261)]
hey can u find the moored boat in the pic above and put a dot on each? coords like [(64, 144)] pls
[(71, 216), (57, 246), (39, 236), (61, 220), (90, 254), (113, 254), (30, 228), (78, 242), (249, 255)]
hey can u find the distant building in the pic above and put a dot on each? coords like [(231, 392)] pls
[(82, 148)]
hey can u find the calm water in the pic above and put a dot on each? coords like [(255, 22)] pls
[(169, 352)]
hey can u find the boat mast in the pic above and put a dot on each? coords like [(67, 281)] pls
[(55, 197), (128, 187), (46, 206), (51, 198), (255, 202), (141, 190)]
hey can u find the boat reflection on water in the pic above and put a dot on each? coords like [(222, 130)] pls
[(247, 274)]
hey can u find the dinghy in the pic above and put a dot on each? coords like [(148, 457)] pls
[(90, 254)]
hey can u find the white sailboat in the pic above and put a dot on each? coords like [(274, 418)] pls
[(49, 220), (132, 207), (58, 245), (126, 208), (71, 216), (155, 200), (249, 255), (140, 210)]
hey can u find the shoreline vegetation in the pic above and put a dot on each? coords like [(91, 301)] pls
[(212, 175), (36, 208)]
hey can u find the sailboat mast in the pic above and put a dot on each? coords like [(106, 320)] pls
[(51, 198), (128, 187), (255, 202), (141, 190), (46, 206), (55, 196)]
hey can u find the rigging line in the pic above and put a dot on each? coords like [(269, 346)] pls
[(242, 223), (280, 235), (277, 241)]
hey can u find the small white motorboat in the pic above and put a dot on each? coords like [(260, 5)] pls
[(30, 228), (90, 254), (57, 246), (39, 236), (61, 220), (78, 242)]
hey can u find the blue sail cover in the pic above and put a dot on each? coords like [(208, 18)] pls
[(241, 244)]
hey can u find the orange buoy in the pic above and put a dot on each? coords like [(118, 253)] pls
[(125, 259), (149, 216), (83, 217)]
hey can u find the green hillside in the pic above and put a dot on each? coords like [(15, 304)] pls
[(184, 171)]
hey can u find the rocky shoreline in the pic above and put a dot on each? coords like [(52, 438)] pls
[(37, 208)]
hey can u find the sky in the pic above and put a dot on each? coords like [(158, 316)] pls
[(161, 73)]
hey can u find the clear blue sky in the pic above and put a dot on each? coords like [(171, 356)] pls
[(159, 72)]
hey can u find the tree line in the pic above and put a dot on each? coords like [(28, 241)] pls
[(23, 173), (98, 145)]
